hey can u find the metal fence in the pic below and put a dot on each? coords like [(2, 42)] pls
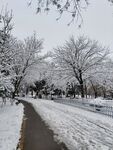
[(102, 109)]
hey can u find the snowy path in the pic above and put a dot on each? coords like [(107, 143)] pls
[(77, 128), (10, 126), (36, 134)]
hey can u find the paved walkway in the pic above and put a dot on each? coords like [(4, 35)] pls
[(37, 136)]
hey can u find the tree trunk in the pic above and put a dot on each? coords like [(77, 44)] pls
[(94, 89), (82, 89), (96, 94), (81, 84), (86, 91), (104, 92), (74, 94), (13, 95), (16, 90)]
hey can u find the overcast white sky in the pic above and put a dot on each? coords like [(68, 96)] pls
[(98, 23)]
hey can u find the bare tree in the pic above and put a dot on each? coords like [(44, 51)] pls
[(101, 82), (6, 27), (5, 33), (79, 58), (72, 7), (111, 1), (28, 54)]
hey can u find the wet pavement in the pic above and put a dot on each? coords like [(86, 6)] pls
[(37, 136)]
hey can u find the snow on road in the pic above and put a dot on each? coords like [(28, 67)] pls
[(77, 128), (10, 126)]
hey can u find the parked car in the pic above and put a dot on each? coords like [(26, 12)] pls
[(109, 98), (97, 106)]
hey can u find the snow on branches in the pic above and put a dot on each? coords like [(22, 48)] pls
[(80, 58)]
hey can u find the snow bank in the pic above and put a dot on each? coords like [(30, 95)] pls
[(10, 125), (77, 128)]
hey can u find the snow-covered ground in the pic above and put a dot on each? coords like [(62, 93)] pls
[(98, 105), (101, 101), (98, 101), (77, 128), (10, 126)]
